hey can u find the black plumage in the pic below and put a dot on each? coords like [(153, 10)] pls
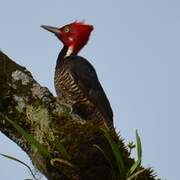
[(77, 84)]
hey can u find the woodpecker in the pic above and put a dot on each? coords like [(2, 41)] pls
[(75, 79)]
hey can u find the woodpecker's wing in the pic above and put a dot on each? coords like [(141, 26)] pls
[(86, 78)]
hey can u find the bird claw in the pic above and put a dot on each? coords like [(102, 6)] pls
[(70, 108)]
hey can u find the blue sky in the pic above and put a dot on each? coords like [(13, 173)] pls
[(135, 50)]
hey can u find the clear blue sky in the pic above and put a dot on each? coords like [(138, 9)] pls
[(135, 50)]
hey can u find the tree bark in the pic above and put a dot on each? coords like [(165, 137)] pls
[(40, 114)]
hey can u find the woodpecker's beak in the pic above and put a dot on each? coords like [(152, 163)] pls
[(54, 30)]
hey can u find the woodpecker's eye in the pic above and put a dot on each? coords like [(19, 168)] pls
[(66, 29)]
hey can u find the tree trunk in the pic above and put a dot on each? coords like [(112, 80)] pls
[(52, 124)]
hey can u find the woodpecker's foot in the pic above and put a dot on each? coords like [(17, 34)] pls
[(68, 106), (81, 110)]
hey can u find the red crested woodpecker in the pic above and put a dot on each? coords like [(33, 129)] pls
[(76, 81)]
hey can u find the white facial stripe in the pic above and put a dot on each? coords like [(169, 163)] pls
[(69, 51)]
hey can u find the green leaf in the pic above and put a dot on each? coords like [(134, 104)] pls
[(136, 174), (63, 151), (139, 147), (117, 153), (107, 158), (19, 161), (41, 148), (134, 167), (131, 145), (61, 161), (137, 164), (104, 154)]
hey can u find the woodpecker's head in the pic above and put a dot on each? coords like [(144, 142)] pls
[(74, 35)]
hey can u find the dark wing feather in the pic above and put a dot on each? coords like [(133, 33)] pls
[(86, 77)]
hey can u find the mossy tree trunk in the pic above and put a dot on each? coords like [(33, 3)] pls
[(40, 114)]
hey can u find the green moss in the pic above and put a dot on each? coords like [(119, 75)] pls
[(79, 140), (90, 164)]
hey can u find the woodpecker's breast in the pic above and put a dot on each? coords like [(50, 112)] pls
[(67, 89)]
